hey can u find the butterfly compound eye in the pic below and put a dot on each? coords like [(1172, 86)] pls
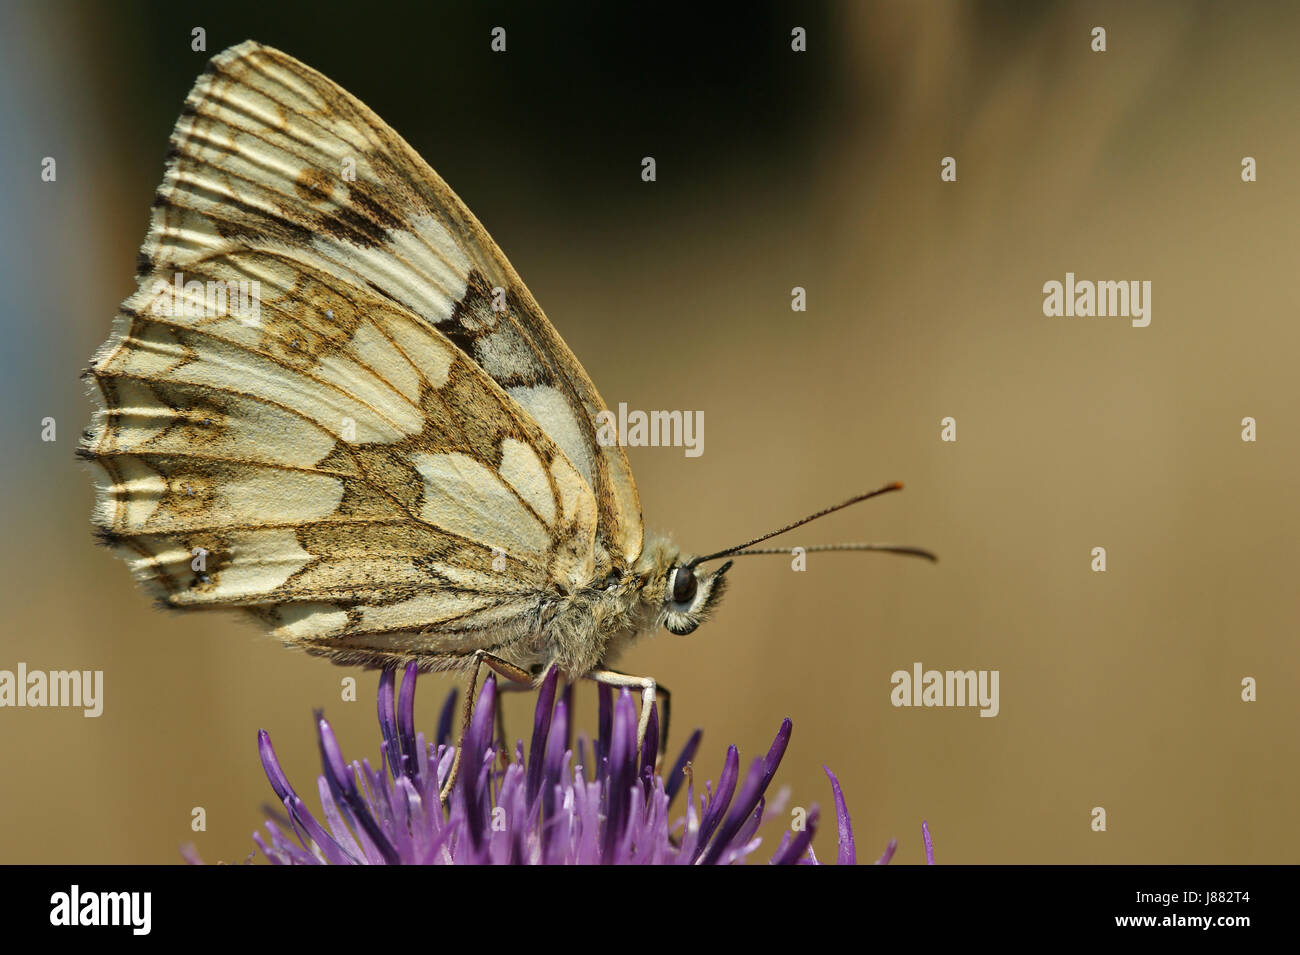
[(684, 585)]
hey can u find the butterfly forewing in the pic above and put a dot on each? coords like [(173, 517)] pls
[(391, 452)]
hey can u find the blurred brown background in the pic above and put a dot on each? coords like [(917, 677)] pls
[(775, 169)]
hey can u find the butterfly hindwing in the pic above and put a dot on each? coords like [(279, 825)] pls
[(376, 458)]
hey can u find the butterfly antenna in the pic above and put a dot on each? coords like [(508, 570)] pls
[(826, 548), (743, 549)]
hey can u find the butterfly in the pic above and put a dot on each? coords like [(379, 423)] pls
[(332, 404)]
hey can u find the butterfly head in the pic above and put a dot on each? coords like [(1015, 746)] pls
[(676, 593), (688, 595)]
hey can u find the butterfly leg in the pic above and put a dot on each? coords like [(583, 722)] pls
[(507, 670), (506, 756), (500, 718), (649, 688)]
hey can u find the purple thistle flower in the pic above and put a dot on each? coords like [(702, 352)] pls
[(537, 809)]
